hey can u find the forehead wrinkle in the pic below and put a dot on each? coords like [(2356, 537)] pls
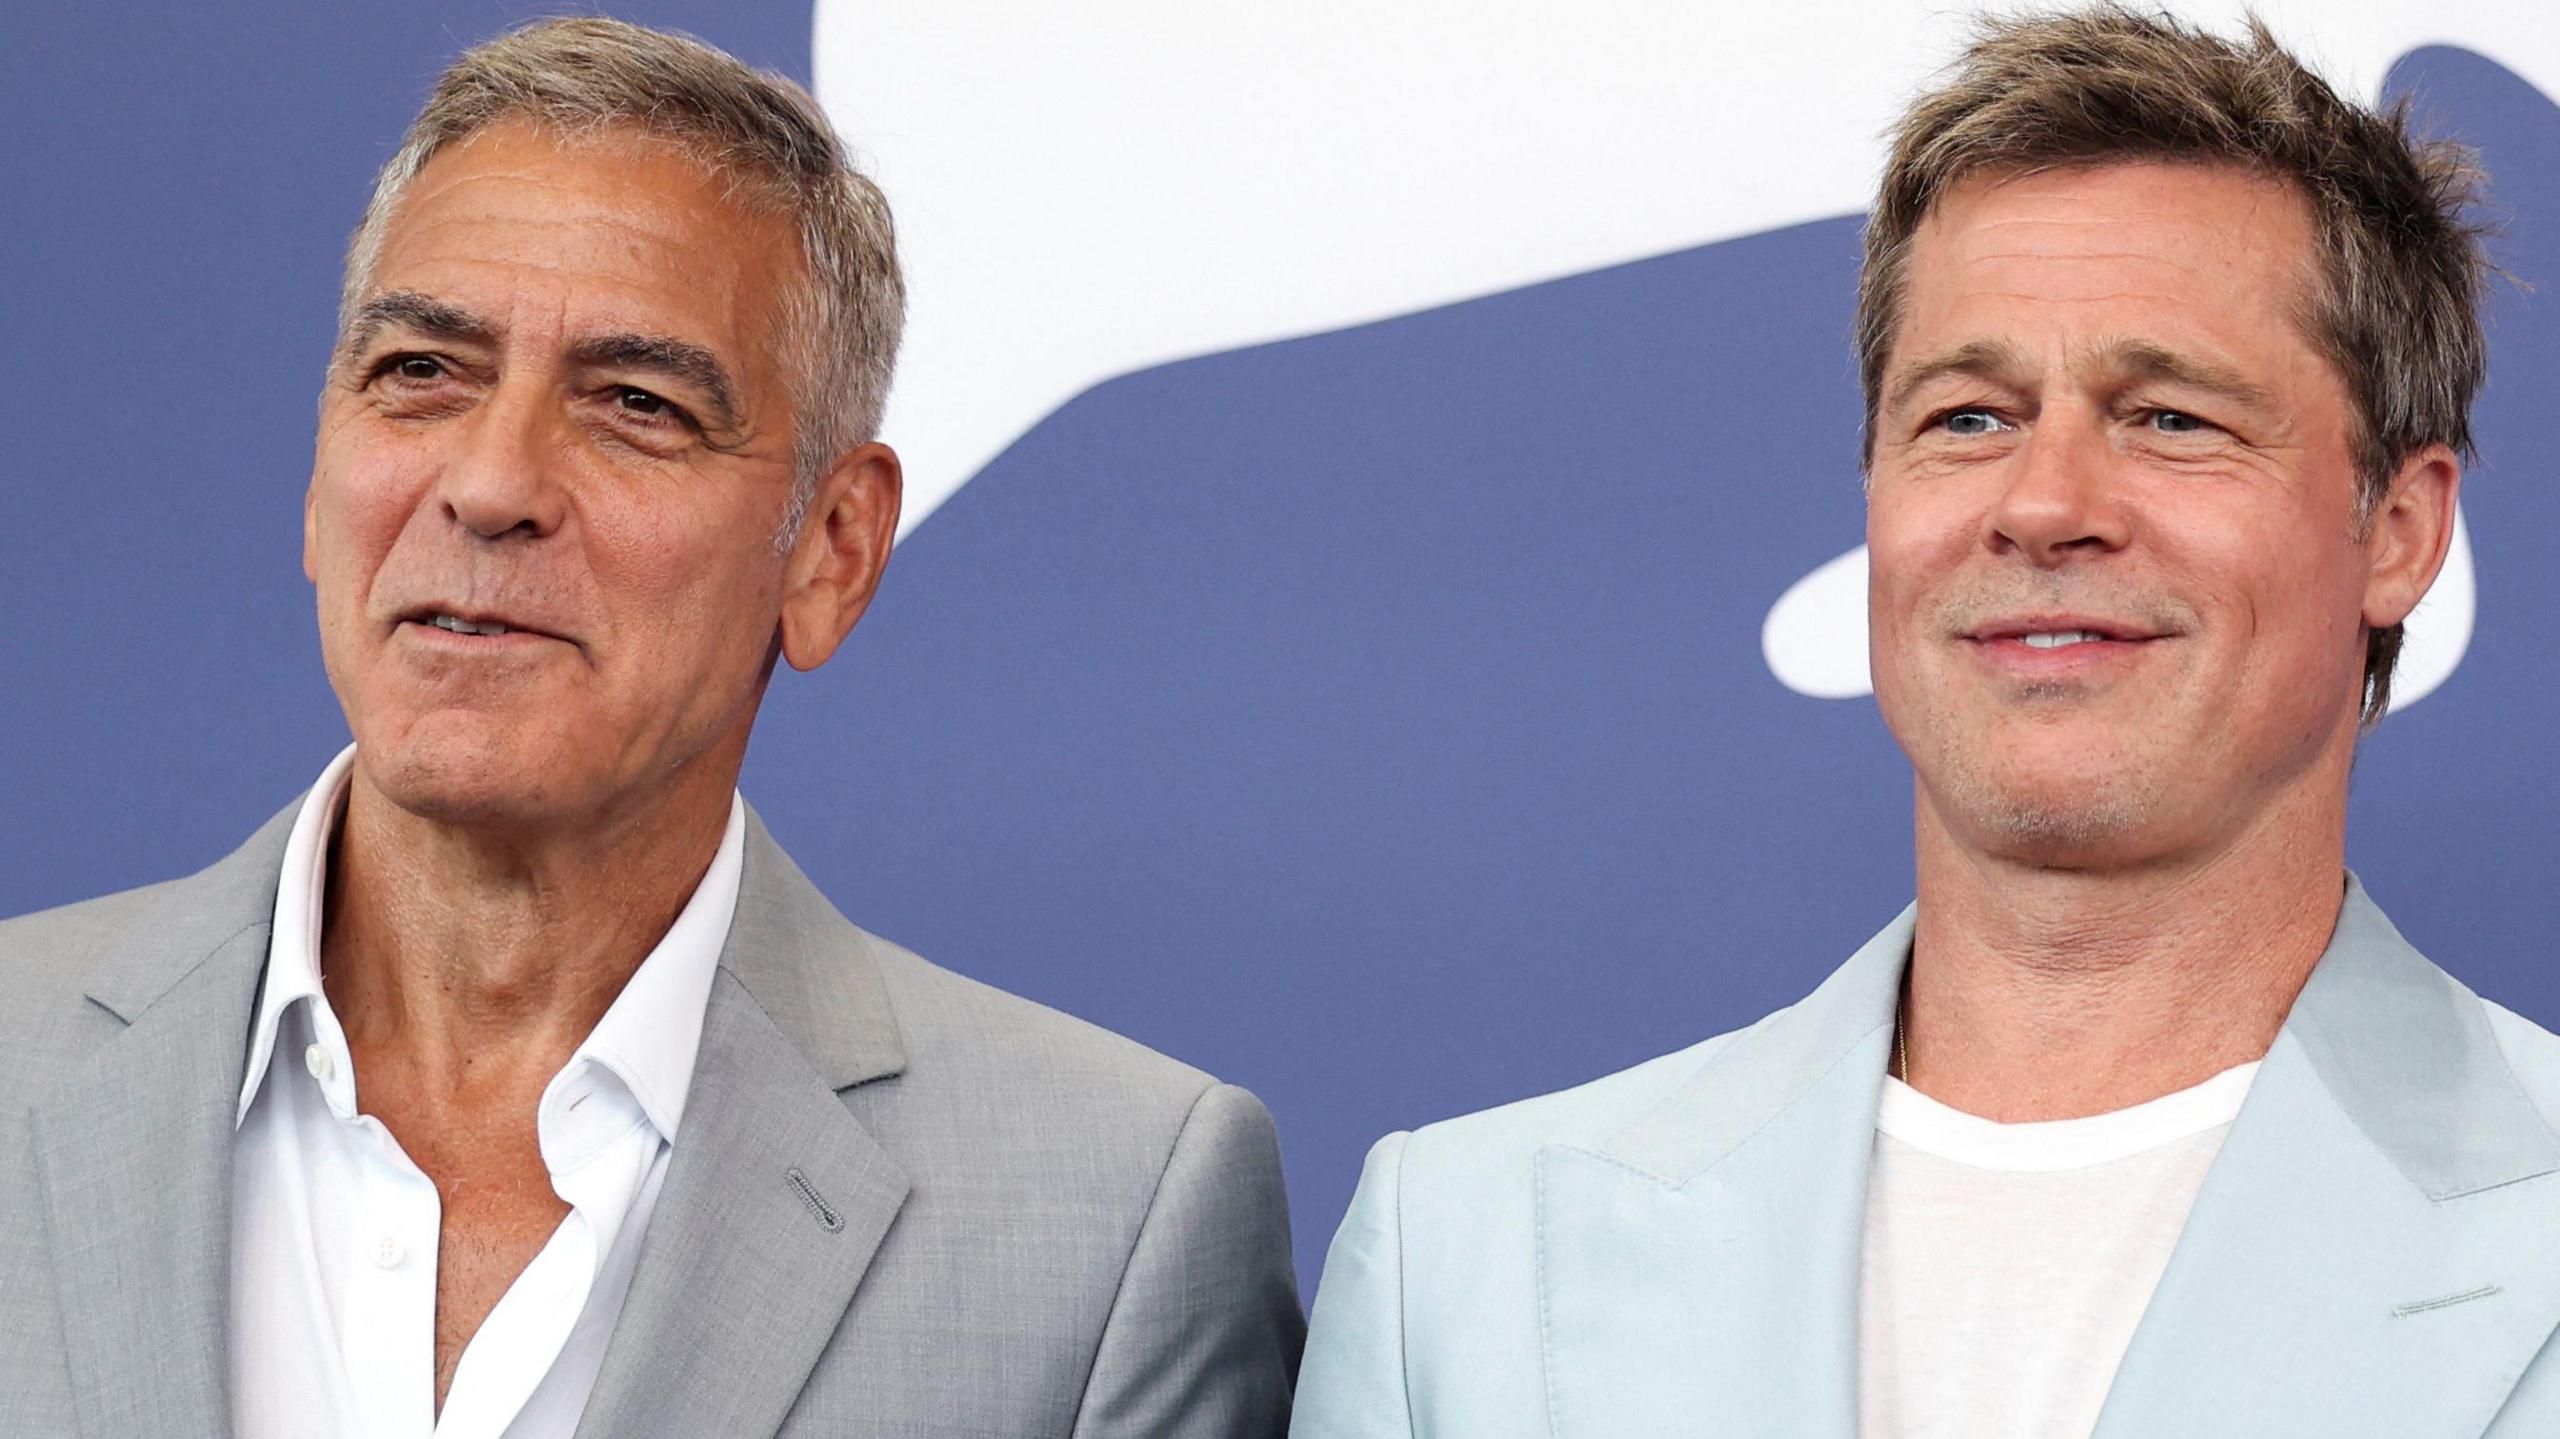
[(523, 152), (2049, 299), (654, 224), (2080, 257), (2083, 276)]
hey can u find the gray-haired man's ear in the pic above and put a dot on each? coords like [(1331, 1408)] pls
[(835, 564)]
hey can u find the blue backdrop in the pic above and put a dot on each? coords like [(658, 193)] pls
[(1377, 720)]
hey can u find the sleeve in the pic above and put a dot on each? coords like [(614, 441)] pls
[(1354, 1384), (1204, 1335)]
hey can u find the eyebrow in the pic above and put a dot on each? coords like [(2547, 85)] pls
[(410, 310), (680, 360), (2131, 360), (1993, 360), (2138, 361)]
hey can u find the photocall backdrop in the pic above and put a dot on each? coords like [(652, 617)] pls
[(1382, 611)]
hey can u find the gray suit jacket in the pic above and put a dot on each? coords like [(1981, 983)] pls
[(903, 1203)]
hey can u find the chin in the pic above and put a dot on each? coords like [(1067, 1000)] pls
[(472, 770), (2080, 821)]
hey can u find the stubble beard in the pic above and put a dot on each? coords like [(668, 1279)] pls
[(2025, 816)]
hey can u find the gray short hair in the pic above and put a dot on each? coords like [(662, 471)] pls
[(758, 131)]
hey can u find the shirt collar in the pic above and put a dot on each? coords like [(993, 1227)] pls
[(647, 1038), (293, 944), (650, 1032)]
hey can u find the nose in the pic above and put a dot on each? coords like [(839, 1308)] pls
[(499, 479), (2060, 501)]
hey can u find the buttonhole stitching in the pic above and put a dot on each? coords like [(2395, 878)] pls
[(828, 1218)]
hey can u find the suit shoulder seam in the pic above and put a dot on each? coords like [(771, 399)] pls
[(1138, 1237), (1404, 1344)]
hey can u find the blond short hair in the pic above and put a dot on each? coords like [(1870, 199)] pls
[(2395, 302)]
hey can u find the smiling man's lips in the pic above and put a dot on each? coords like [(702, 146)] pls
[(2057, 645), (2060, 631), (463, 622), (466, 627), (2043, 651)]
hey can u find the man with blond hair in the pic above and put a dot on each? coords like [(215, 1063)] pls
[(514, 1081), (2143, 1120)]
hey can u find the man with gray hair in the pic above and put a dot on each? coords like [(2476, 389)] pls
[(514, 1081), (2143, 1120)]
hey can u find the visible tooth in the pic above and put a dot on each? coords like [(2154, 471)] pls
[(2058, 639)]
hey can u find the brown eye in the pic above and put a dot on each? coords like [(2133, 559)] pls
[(417, 367), (650, 408)]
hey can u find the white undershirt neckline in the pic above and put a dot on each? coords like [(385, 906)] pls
[(2048, 1146), (335, 1229), (2005, 1267)]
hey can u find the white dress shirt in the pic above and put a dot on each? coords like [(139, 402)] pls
[(2007, 1265), (334, 1229)]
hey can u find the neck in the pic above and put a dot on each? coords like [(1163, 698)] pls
[(480, 957), (2041, 992)]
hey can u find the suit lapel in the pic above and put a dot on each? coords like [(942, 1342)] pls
[(1699, 1273), (776, 1198), (133, 1153), (745, 1269), (2371, 1252), (2366, 1255)]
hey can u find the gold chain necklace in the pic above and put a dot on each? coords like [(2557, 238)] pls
[(1902, 1033)]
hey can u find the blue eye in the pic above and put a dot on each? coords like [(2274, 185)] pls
[(1971, 424), (2176, 422)]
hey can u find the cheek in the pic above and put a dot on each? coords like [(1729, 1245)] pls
[(363, 496), (2285, 593), (1915, 543), (349, 541), (695, 591)]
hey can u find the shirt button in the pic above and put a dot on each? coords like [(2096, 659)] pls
[(317, 1060), (388, 1252)]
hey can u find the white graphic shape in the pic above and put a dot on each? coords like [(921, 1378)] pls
[(1084, 190), (1815, 637)]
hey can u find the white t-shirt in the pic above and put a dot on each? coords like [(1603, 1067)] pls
[(2006, 1265)]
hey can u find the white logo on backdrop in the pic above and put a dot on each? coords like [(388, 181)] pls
[(1087, 190)]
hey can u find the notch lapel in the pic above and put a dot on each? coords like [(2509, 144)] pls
[(776, 1198), (2372, 1251), (1698, 1274), (133, 1153)]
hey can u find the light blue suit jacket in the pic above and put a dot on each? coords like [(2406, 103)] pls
[(1674, 1250)]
